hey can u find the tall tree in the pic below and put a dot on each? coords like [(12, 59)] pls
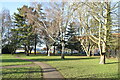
[(24, 29), (58, 13), (6, 26), (99, 33)]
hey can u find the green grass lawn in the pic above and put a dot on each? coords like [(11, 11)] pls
[(8, 59), (86, 68), (22, 72), (80, 66)]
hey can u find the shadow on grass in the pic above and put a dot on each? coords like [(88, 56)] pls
[(20, 70), (113, 63), (101, 76), (12, 72), (59, 59), (55, 59), (13, 60)]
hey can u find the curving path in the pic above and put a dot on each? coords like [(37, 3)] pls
[(47, 70)]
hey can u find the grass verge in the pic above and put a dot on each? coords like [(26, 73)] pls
[(8, 59), (22, 72), (80, 66)]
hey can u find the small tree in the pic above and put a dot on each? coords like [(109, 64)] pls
[(71, 41)]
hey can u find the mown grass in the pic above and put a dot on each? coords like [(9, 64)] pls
[(22, 72), (80, 66), (87, 68), (8, 59)]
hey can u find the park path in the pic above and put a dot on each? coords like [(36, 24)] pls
[(47, 70)]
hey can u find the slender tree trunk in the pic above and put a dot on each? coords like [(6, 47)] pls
[(62, 54), (71, 51), (88, 55), (27, 53), (86, 48), (106, 32), (49, 52), (89, 50), (31, 49), (35, 44), (13, 51), (54, 51), (102, 57), (47, 49), (27, 50)]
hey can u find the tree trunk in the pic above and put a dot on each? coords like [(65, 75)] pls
[(102, 57), (106, 32), (35, 44), (49, 51), (89, 52), (54, 51), (27, 54), (31, 49), (62, 53), (47, 48), (26, 51), (86, 48), (88, 55), (13, 51), (71, 51)]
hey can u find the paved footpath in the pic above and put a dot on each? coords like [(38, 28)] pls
[(48, 71)]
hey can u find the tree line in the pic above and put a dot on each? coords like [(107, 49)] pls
[(77, 25)]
